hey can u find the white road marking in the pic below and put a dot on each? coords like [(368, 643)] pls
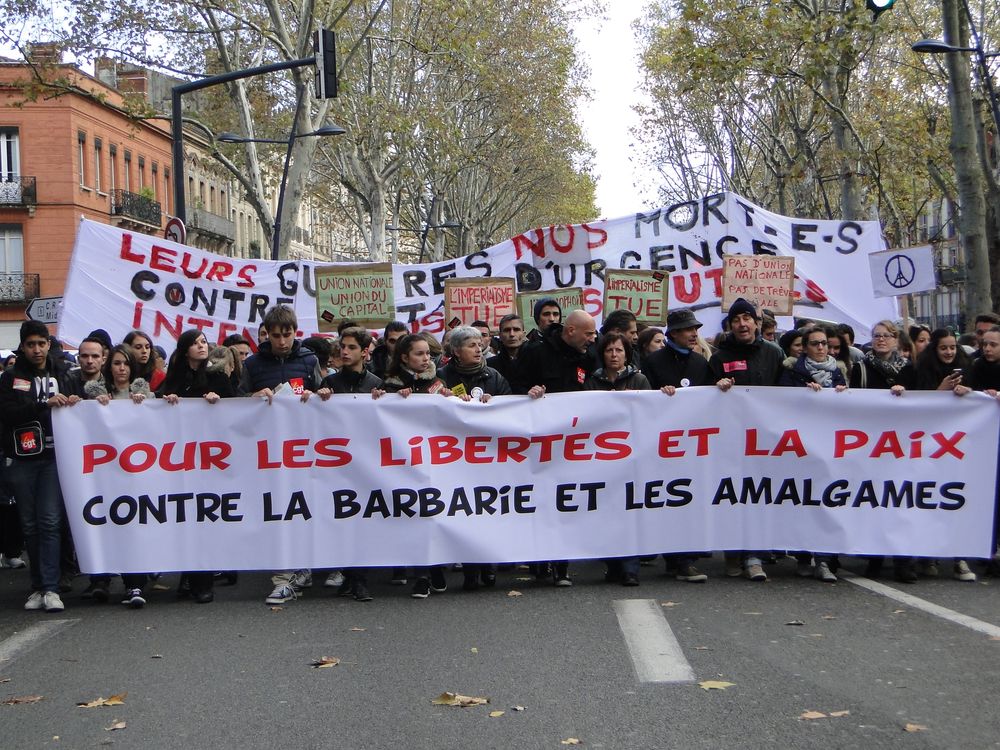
[(655, 652), (27, 639), (980, 626)]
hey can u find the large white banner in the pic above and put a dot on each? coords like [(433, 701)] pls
[(119, 280), (354, 482)]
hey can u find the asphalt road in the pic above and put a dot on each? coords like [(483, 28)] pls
[(236, 674)]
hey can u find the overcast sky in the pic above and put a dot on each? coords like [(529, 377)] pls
[(608, 45)]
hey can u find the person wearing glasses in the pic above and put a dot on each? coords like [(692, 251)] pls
[(883, 367), (815, 369)]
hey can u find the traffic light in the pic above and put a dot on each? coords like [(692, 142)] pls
[(325, 49), (878, 7)]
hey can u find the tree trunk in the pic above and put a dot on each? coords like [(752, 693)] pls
[(968, 169)]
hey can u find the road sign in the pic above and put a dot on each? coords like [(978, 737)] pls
[(44, 309), (175, 231)]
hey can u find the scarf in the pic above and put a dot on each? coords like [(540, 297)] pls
[(821, 372), (889, 368), (474, 369), (679, 349)]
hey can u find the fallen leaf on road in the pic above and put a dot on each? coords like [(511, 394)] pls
[(18, 700), (715, 685), (116, 725), (669, 604), (898, 611), (812, 715), (702, 648), (324, 661), (277, 609), (455, 699), (358, 630), (829, 617), (496, 714), (914, 728), (753, 613), (816, 635), (838, 714), (474, 650), (156, 656), (4, 679), (515, 593), (570, 741), (795, 622), (114, 700), (518, 708)]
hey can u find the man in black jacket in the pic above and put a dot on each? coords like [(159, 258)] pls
[(744, 358), (559, 363), (512, 344), (28, 392), (677, 365)]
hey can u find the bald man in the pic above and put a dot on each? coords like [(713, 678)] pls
[(559, 363)]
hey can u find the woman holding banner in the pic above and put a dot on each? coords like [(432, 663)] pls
[(142, 349), (120, 380), (188, 376), (815, 369), (883, 367), (944, 366), (469, 378), (411, 370), (617, 373)]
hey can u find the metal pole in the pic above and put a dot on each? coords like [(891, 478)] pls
[(176, 114), (427, 227), (276, 229)]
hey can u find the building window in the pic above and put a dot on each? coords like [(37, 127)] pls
[(10, 166), (112, 167), (81, 143), (128, 171), (142, 172), (97, 164), (166, 190), (11, 249), (154, 179)]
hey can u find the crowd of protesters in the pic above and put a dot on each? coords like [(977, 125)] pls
[(554, 354)]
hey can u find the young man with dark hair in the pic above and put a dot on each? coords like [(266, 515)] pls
[(511, 344), (984, 322), (90, 358), (29, 391), (546, 313), (281, 359), (394, 331)]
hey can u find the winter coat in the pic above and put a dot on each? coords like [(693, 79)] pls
[(424, 382), (348, 381), (489, 380), (629, 379), (667, 366), (26, 415), (757, 363), (554, 364), (796, 374), (266, 370)]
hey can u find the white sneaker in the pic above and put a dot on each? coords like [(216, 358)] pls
[(282, 594), (824, 573), (52, 602), (962, 572), (35, 601), (301, 579), (14, 562), (335, 580)]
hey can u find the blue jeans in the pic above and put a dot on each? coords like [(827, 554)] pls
[(40, 505)]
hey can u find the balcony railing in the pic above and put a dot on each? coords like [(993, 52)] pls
[(135, 206), (209, 223), (18, 287), (18, 191)]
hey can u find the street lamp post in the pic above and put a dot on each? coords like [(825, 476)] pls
[(292, 137)]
